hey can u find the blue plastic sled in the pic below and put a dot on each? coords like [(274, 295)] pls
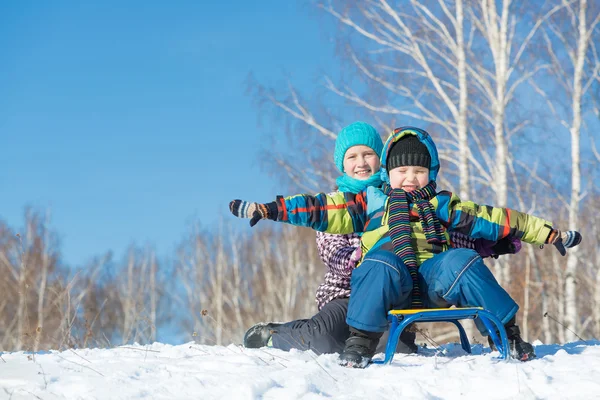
[(400, 319)]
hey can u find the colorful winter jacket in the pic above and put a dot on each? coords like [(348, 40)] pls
[(367, 212)]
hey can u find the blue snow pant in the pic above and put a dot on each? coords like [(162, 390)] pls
[(326, 332), (455, 277)]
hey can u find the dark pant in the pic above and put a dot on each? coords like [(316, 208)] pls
[(456, 277), (326, 332)]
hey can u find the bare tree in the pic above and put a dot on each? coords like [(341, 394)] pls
[(419, 57), (309, 167), (569, 43), (27, 262), (233, 281), (38, 307), (498, 82)]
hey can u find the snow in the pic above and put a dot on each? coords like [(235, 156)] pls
[(193, 371)]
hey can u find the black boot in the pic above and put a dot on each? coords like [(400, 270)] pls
[(360, 348), (258, 336), (406, 344), (522, 350)]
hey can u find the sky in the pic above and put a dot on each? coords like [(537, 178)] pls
[(192, 371), (126, 121)]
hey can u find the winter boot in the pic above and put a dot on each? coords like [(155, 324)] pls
[(522, 350), (360, 348), (406, 344), (258, 336)]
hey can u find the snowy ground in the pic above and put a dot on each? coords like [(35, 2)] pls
[(193, 371)]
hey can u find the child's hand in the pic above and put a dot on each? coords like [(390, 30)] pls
[(507, 245), (355, 257), (255, 211), (489, 248), (561, 240)]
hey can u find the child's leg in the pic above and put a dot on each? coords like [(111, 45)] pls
[(326, 332), (381, 282), (459, 277)]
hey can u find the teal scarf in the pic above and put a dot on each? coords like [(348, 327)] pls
[(348, 184)]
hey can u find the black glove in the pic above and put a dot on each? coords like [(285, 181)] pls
[(506, 245), (255, 211), (561, 240)]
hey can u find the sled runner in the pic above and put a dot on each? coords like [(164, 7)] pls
[(400, 319)]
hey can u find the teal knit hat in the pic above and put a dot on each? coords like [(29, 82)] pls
[(355, 134)]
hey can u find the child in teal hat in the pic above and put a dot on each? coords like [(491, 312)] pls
[(358, 142), (357, 156)]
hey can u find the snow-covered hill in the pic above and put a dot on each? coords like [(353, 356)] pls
[(193, 371)]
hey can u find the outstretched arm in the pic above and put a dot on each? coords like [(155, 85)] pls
[(339, 213), (495, 223), (491, 223)]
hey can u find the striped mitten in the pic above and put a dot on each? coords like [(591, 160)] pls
[(561, 240), (254, 211)]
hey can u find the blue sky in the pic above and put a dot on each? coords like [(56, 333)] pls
[(127, 120)]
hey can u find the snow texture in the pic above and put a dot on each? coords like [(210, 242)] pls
[(193, 371)]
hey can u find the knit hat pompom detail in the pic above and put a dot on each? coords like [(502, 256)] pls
[(356, 134), (408, 151)]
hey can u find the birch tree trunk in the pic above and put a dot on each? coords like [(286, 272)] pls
[(21, 315), (462, 127), (43, 282), (219, 285), (560, 295), (526, 305), (596, 307), (153, 296), (495, 29), (571, 317), (128, 303), (546, 330)]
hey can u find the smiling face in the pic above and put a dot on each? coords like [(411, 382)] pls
[(361, 162), (409, 178)]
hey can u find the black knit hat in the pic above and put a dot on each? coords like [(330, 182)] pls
[(408, 151)]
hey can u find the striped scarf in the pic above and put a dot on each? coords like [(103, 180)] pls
[(400, 230)]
